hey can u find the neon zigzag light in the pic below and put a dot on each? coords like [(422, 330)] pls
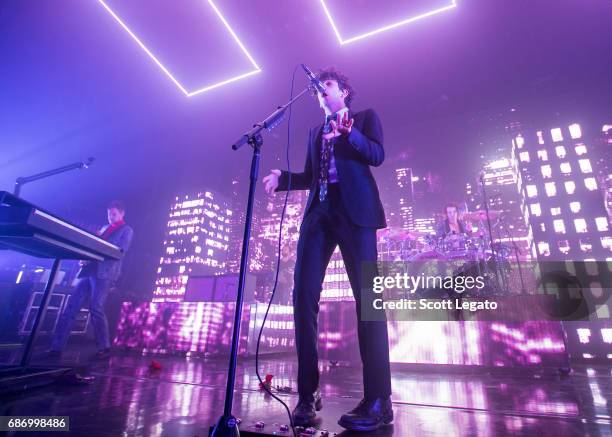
[(165, 70), (385, 28)]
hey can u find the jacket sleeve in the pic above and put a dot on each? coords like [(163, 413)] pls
[(125, 240), (299, 181), (369, 143)]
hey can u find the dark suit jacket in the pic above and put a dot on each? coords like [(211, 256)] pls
[(354, 154), (111, 269)]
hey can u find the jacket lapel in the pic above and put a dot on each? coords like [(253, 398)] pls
[(316, 146), (316, 151)]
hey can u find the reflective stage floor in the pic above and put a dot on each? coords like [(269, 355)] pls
[(184, 397)]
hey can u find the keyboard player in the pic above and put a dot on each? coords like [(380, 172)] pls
[(96, 278)]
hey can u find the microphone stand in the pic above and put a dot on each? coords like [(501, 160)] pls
[(227, 425), (502, 271), (486, 205), (21, 181), (516, 255)]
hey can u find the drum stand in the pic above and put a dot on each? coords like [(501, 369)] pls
[(518, 262), (490, 229)]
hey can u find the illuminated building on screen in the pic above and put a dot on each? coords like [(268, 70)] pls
[(270, 221), (500, 182), (264, 243), (398, 202), (425, 225), (561, 197), (405, 197), (236, 226), (237, 219), (604, 166), (336, 285), (263, 246), (195, 243)]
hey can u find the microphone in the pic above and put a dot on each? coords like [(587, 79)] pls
[(89, 162), (314, 82)]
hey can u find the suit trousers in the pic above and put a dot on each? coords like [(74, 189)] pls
[(326, 226), (98, 291)]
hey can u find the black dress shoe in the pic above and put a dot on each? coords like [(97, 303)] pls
[(305, 411), (369, 415)]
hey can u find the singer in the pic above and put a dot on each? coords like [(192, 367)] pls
[(343, 209)]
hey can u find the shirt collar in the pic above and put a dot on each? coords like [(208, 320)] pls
[(117, 224)]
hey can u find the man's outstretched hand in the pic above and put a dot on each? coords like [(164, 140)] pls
[(271, 181), (342, 125)]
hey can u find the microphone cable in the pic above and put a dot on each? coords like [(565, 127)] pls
[(278, 255)]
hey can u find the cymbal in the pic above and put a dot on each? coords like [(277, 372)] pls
[(482, 215), (401, 234)]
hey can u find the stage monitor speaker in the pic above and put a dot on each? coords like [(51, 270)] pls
[(200, 289)]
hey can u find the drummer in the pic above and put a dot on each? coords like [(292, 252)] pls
[(452, 225)]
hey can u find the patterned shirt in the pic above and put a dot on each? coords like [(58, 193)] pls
[(333, 173)]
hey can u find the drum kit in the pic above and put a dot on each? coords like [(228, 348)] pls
[(469, 254)]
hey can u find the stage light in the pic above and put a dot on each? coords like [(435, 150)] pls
[(546, 171), (167, 71), (384, 28), (570, 187), (524, 156), (540, 137), (575, 207)]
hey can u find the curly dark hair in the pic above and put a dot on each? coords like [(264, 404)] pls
[(343, 82)]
